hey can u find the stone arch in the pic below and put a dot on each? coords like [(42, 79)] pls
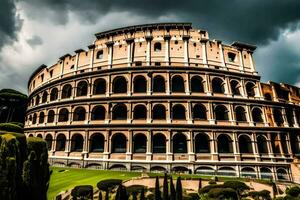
[(66, 91), (79, 114), (177, 84), (54, 94), (245, 144), (221, 112), (158, 169), (206, 170), (39, 135), (63, 115), (49, 139), (178, 112), (268, 96), (197, 84), (262, 144), (202, 143), (159, 143), (98, 113), (30, 135), (250, 89), (37, 100), (235, 87), (275, 141), (51, 115), (99, 86), (179, 142), (295, 143), (140, 112), (226, 171), (99, 54), (266, 173), (139, 143), (224, 144), (119, 112), (159, 84), (159, 111), (41, 117), (119, 85), (82, 89), (248, 172), (44, 97), (60, 142), (218, 85), (199, 112), (118, 167), (97, 142), (139, 84), (278, 116), (282, 174), (240, 114), (180, 169), (157, 46), (118, 143), (257, 115), (284, 141), (34, 118), (77, 143)]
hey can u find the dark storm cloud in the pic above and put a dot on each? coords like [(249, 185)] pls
[(35, 41), (253, 21), (9, 22)]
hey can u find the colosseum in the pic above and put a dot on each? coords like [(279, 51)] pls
[(165, 97)]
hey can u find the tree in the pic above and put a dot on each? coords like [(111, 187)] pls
[(165, 188), (121, 193), (142, 196), (157, 194), (172, 190), (82, 192), (238, 186), (178, 189), (108, 185), (200, 184)]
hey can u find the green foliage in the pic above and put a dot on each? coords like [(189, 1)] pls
[(260, 195), (142, 196), (82, 192), (107, 185), (207, 188), (222, 193), (200, 184), (12, 94), (10, 127), (121, 193), (178, 189), (165, 188), (157, 194), (134, 190), (293, 191), (193, 196), (172, 190), (238, 186), (212, 182)]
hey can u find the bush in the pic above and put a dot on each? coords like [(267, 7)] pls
[(212, 182), (82, 191), (10, 127), (238, 186), (293, 191), (207, 188), (109, 184), (263, 194), (222, 193), (194, 196)]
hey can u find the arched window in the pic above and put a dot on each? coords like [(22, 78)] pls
[(268, 96), (221, 112), (245, 144), (196, 84), (159, 112), (120, 112), (140, 112), (257, 115), (77, 143), (140, 84), (98, 113), (262, 145), (119, 85), (275, 141), (49, 141), (60, 142), (235, 87), (199, 112), (159, 84), (139, 143), (41, 117), (250, 88), (294, 139), (37, 100), (79, 114), (99, 86), (178, 112), (51, 115), (202, 143), (289, 116), (283, 141), (177, 84), (266, 173), (99, 54), (66, 91), (157, 47), (224, 144), (44, 97), (118, 143), (63, 115), (218, 86), (97, 143), (240, 114), (53, 94), (82, 88), (282, 174), (278, 117), (179, 143), (34, 118), (159, 143), (39, 136)]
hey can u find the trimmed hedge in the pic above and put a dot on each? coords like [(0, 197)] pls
[(222, 193), (207, 188), (10, 127), (293, 191), (263, 194), (82, 192), (109, 184)]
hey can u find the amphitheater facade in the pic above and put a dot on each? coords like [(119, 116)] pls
[(164, 97)]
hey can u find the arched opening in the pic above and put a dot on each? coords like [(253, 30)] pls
[(34, 118), (275, 141), (159, 143), (199, 112), (218, 86), (99, 86), (77, 143), (221, 112), (66, 91), (119, 85), (295, 143), (140, 112), (235, 87), (118, 167), (180, 169), (118, 143), (97, 143), (30, 135), (284, 140), (60, 142), (224, 144), (262, 145), (266, 173), (98, 113), (159, 112), (257, 115), (41, 117), (289, 116), (202, 143), (49, 141), (63, 115), (178, 112), (245, 144), (159, 84), (82, 88), (51, 115), (177, 84), (139, 143), (250, 88), (240, 114), (39, 136), (157, 47), (268, 96), (179, 143), (44, 97), (282, 174), (196, 84), (119, 112), (205, 171), (226, 171), (278, 117), (248, 172), (79, 114), (140, 84), (99, 54), (37, 100), (158, 169), (54, 94)]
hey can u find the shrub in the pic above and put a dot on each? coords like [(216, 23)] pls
[(222, 193), (207, 188), (82, 191), (134, 190), (178, 189), (238, 186), (194, 196), (107, 185), (212, 182), (293, 191), (10, 127), (263, 194)]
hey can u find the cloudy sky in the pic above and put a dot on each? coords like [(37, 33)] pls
[(35, 32)]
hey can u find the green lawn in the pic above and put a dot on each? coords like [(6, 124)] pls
[(70, 177)]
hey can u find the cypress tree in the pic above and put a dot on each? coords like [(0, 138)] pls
[(157, 191), (142, 197), (200, 184), (165, 188), (121, 193), (178, 189), (100, 195), (172, 190)]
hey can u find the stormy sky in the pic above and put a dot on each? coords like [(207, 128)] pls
[(35, 32)]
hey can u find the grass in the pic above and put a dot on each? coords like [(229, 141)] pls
[(67, 178)]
